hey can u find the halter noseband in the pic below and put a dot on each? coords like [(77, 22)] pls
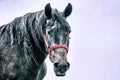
[(54, 46)]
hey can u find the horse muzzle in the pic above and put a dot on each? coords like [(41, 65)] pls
[(61, 68)]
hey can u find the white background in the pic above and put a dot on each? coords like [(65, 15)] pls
[(95, 39)]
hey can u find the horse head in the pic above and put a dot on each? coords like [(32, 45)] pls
[(56, 37)]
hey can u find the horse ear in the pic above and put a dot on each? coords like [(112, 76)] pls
[(48, 11), (68, 10)]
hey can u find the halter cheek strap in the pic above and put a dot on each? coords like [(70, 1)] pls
[(54, 46), (44, 36)]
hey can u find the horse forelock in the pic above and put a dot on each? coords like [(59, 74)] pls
[(59, 16)]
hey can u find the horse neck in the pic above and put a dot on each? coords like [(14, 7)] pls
[(38, 48), (38, 44)]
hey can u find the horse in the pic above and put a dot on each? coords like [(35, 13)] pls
[(26, 41)]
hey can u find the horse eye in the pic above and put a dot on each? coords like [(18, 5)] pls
[(49, 32), (69, 31)]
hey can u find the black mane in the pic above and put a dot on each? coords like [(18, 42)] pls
[(22, 37)]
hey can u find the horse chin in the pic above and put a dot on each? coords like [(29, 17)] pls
[(60, 74)]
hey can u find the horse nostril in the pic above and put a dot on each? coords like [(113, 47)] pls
[(68, 64), (56, 65), (64, 66)]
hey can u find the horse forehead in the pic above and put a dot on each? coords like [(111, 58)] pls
[(61, 24)]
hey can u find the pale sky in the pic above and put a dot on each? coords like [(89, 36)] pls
[(95, 39)]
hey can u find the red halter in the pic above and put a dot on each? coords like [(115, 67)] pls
[(54, 46)]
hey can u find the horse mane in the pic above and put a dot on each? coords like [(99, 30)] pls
[(24, 31)]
